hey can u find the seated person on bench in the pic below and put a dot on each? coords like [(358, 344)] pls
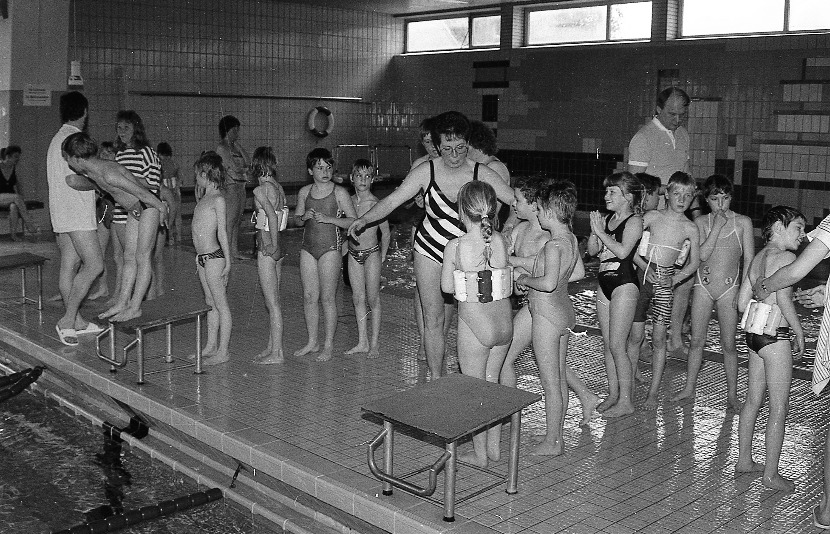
[(10, 193)]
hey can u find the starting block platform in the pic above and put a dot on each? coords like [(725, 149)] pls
[(154, 314), (448, 408), (22, 261)]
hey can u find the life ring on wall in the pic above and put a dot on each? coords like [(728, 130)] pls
[(312, 121)]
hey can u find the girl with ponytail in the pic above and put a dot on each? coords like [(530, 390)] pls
[(475, 269)]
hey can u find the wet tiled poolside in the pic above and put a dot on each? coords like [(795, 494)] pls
[(666, 471)]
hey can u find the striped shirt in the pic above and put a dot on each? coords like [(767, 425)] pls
[(144, 164), (821, 366)]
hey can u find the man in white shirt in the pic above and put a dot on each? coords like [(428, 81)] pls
[(73, 220)]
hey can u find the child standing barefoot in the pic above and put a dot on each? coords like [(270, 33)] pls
[(319, 209), (269, 201), (771, 356), (484, 317), (528, 240), (551, 307), (213, 255), (726, 239), (669, 229), (365, 260), (615, 239)]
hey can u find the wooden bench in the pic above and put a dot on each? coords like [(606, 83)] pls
[(22, 261), (155, 313), (449, 409)]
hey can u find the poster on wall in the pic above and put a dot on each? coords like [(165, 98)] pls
[(37, 95)]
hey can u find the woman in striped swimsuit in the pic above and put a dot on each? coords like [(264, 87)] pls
[(440, 180), (136, 154)]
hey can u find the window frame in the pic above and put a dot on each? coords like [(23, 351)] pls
[(785, 23), (608, 4), (470, 34)]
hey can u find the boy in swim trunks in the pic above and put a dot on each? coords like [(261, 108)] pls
[(727, 239), (213, 255), (669, 229), (319, 209), (365, 259), (771, 356)]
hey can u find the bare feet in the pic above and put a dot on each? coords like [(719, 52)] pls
[(273, 358), (548, 448), (126, 314), (325, 354), (217, 358), (360, 347), (651, 403), (734, 405), (422, 353), (264, 354), (748, 467), (206, 353), (779, 483), (619, 410), (115, 309), (473, 459), (311, 347), (493, 452), (589, 407), (99, 295), (56, 298), (606, 404), (685, 394), (374, 352)]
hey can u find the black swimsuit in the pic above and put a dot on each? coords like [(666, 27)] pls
[(756, 342), (621, 274)]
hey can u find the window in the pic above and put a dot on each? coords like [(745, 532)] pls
[(456, 33), (584, 24), (730, 17)]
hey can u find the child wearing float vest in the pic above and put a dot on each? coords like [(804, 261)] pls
[(271, 219), (768, 339), (476, 271)]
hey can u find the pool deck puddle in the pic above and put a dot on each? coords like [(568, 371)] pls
[(300, 424)]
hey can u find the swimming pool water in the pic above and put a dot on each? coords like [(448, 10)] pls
[(58, 471)]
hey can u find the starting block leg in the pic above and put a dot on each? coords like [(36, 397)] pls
[(169, 356), (388, 448), (449, 483), (139, 337), (198, 370), (23, 284), (39, 287), (513, 460)]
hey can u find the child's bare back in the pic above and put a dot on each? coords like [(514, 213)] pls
[(206, 223)]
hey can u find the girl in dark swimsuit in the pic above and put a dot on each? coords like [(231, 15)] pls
[(615, 239)]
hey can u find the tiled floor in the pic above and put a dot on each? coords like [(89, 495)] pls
[(666, 471)]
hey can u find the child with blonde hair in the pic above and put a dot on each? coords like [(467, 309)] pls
[(365, 259), (475, 269), (213, 255), (770, 353), (271, 218), (320, 207)]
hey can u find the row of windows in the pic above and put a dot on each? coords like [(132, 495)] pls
[(619, 21)]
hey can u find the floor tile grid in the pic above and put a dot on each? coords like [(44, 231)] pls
[(699, 403)]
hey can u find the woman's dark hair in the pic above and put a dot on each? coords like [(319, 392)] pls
[(450, 124), (73, 105), (717, 184), (164, 149), (483, 138), (783, 214), (139, 139), (226, 124), (80, 145)]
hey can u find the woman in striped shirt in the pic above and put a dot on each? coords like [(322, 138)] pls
[(135, 153)]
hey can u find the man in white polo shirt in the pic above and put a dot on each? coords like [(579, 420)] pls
[(661, 148), (73, 220)]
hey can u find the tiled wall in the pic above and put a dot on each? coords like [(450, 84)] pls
[(251, 55), (563, 101)]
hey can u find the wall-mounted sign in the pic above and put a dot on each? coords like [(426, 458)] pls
[(37, 95)]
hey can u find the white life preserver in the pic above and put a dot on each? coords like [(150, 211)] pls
[(312, 121), (483, 286), (760, 318)]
